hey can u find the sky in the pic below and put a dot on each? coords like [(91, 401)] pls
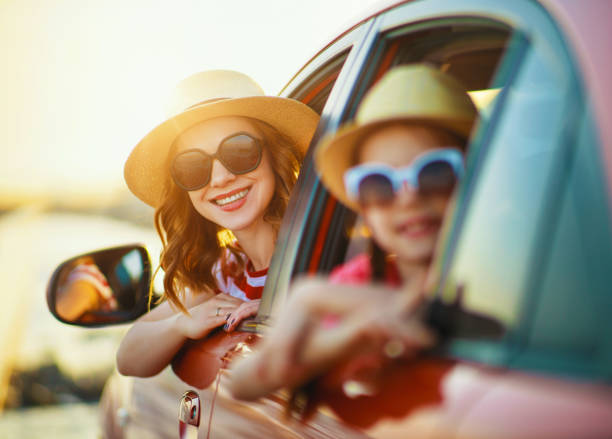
[(83, 80)]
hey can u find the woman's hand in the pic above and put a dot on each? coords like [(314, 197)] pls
[(246, 309), (208, 315)]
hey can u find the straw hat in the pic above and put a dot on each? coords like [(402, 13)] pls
[(203, 96), (416, 93)]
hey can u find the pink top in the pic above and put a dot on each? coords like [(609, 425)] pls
[(358, 271)]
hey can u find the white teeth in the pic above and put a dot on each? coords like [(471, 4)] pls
[(231, 198)]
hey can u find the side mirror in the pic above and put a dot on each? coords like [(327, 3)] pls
[(102, 287)]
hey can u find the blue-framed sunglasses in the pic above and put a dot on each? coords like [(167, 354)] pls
[(433, 172)]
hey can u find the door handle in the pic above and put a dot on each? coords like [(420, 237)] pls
[(189, 415)]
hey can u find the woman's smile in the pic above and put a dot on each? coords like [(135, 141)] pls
[(232, 200)]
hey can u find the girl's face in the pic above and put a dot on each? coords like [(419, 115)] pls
[(250, 193), (407, 227)]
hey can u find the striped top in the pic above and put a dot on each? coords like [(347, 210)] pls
[(248, 286)]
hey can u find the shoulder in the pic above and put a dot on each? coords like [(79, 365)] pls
[(356, 271)]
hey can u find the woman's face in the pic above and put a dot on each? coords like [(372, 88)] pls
[(254, 190), (407, 227)]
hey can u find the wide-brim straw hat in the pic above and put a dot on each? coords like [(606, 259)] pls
[(207, 95), (412, 93)]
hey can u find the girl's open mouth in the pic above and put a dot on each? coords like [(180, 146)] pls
[(419, 227)]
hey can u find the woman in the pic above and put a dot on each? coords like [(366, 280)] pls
[(224, 166), (396, 165)]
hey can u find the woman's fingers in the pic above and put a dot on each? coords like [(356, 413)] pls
[(208, 315), (244, 310)]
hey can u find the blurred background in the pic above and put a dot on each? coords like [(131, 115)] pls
[(82, 81)]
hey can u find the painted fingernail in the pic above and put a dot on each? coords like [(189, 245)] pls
[(227, 317), (232, 321), (226, 327)]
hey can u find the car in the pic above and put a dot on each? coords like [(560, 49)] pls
[(528, 243)]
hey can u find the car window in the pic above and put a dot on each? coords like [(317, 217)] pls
[(571, 323), (468, 49), (313, 86), (314, 91), (508, 207)]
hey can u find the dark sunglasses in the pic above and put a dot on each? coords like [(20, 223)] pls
[(239, 153), (433, 172)]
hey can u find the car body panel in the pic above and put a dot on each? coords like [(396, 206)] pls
[(587, 28), (428, 397)]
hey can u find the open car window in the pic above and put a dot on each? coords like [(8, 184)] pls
[(315, 90), (469, 50), (313, 86)]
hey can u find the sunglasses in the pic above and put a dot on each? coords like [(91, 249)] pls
[(239, 153), (431, 173)]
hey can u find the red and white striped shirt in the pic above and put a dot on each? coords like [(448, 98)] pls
[(248, 286)]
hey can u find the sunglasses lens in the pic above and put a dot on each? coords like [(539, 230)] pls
[(375, 189), (437, 177), (191, 170), (240, 154)]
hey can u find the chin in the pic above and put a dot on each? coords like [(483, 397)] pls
[(235, 224), (416, 251), (240, 220)]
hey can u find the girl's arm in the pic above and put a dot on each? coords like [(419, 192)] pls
[(322, 325), (154, 339)]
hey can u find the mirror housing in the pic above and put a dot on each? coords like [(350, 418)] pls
[(101, 288)]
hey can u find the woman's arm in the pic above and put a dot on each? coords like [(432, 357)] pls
[(154, 339)]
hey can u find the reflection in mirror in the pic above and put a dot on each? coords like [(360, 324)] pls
[(102, 287)]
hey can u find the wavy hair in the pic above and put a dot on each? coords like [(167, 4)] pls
[(191, 244)]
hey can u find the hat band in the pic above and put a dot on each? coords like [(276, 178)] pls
[(208, 101)]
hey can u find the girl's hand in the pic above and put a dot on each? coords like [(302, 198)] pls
[(246, 309), (208, 315), (323, 325)]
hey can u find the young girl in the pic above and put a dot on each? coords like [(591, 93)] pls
[(226, 162), (396, 165)]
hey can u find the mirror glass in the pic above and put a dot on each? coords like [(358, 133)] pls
[(102, 287)]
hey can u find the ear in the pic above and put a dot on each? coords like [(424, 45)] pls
[(366, 225), (367, 228)]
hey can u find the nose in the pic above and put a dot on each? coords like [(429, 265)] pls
[(219, 175), (407, 195)]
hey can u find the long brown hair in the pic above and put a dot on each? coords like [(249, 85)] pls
[(192, 244)]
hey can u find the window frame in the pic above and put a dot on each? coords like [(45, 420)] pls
[(538, 29), (308, 205), (304, 197)]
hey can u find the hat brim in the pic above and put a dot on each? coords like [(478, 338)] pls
[(144, 170), (336, 151)]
